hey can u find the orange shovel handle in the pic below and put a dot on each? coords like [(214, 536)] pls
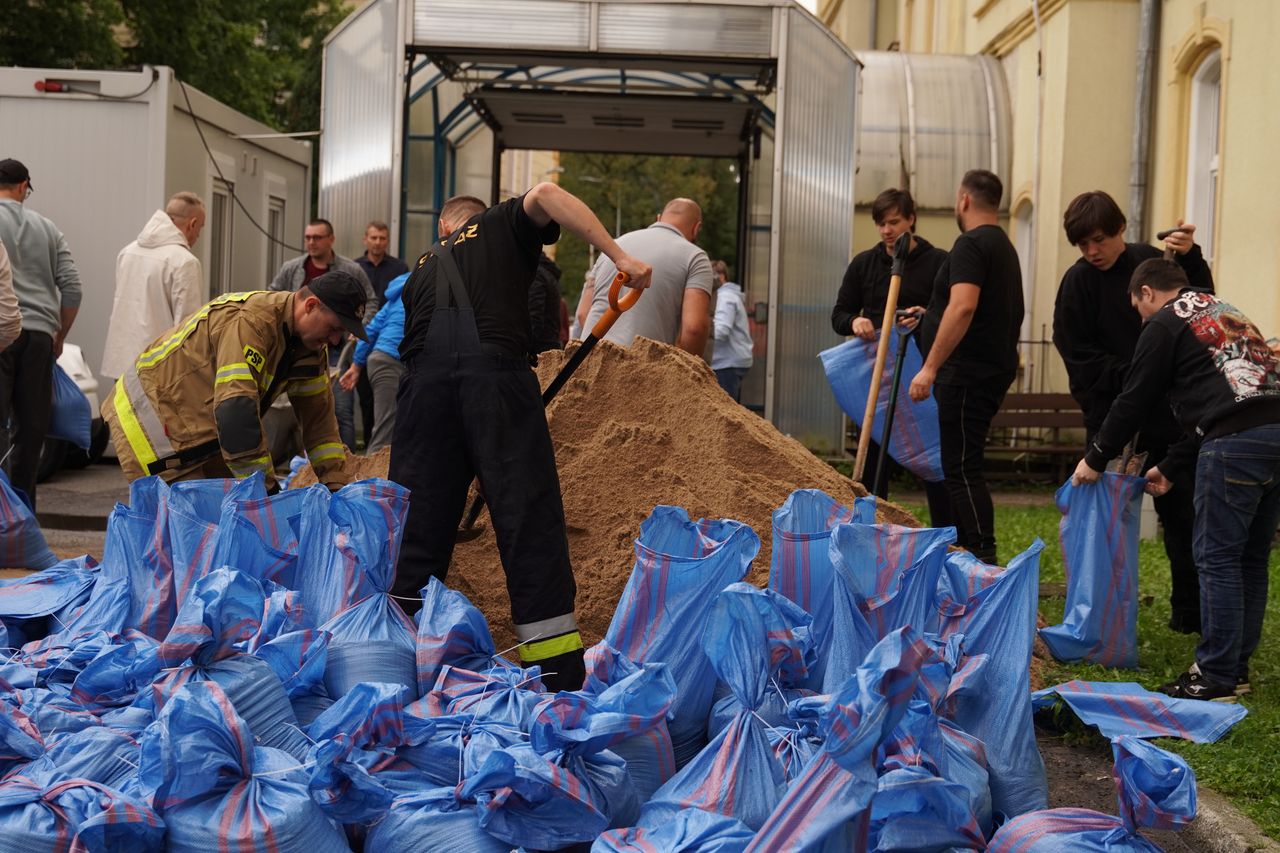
[(616, 305)]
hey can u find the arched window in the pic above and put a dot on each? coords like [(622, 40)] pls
[(1204, 133)]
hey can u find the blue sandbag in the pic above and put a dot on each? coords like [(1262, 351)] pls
[(20, 739), (1126, 708), (649, 756), (451, 631), (259, 535), (915, 443), (361, 731), (458, 746), (215, 790), (137, 549), (680, 565), (800, 567), (1155, 789), (22, 542), (914, 811), (748, 634), (194, 509), (995, 610), (432, 820), (222, 610), (829, 803), (347, 540), (689, 831), (1099, 532), (71, 416), (75, 814), (58, 588), (574, 730), (97, 754), (1067, 831), (116, 675), (500, 694)]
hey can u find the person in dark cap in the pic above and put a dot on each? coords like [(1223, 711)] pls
[(47, 285), (191, 405)]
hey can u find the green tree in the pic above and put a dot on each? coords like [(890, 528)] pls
[(627, 191), (60, 33)]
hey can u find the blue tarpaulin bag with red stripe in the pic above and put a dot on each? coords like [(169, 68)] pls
[(215, 790), (800, 567), (22, 543), (1099, 534), (689, 831), (1127, 708), (70, 815), (916, 440), (995, 609), (680, 566)]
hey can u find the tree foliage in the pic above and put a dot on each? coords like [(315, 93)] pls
[(262, 58), (627, 191)]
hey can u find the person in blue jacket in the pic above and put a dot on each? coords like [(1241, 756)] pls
[(380, 355)]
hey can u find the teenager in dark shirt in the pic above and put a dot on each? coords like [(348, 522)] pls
[(970, 336), (470, 406), (859, 308), (1213, 365), (1095, 329)]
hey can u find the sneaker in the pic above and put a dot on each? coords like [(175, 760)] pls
[(1192, 685)]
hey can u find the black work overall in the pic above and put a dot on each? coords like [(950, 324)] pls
[(467, 410)]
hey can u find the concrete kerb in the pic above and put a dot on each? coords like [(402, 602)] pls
[(1220, 827)]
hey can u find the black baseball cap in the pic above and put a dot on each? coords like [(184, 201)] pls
[(343, 295), (13, 172)]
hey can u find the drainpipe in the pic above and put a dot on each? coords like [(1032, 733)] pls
[(1028, 286), (1140, 147), (875, 24)]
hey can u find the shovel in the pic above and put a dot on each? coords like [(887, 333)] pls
[(900, 249), (616, 307)]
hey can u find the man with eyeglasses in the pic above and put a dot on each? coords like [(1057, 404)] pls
[(47, 285), (191, 406), (319, 259)]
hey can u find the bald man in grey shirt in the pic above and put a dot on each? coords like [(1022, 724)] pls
[(676, 309)]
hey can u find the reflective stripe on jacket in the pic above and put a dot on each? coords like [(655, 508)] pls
[(240, 345)]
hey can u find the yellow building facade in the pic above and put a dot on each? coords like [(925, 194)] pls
[(1071, 67)]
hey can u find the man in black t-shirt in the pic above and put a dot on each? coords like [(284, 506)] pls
[(970, 339), (469, 407), (1096, 328)]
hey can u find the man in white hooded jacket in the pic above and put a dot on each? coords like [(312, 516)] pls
[(158, 282)]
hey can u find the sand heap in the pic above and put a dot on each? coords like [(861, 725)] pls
[(637, 427)]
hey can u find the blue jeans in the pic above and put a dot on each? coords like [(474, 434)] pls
[(344, 408), (730, 379), (1237, 509)]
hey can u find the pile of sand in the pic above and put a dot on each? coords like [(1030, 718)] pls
[(637, 427)]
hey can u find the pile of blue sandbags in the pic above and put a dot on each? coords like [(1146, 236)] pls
[(235, 675)]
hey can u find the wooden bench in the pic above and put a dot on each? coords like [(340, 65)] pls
[(1039, 425)]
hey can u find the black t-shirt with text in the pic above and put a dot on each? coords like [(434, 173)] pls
[(497, 253), (989, 349)]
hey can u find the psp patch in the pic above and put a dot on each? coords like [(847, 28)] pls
[(254, 358)]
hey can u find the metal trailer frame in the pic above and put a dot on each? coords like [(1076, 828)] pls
[(413, 88), (111, 147)]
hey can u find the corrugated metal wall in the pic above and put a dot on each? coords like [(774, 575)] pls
[(363, 97), (693, 29), (813, 192)]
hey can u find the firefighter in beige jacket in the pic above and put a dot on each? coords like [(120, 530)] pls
[(191, 405), (158, 281)]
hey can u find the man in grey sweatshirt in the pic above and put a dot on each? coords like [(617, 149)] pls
[(48, 289)]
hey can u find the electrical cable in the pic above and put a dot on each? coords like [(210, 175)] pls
[(229, 184), (155, 75)]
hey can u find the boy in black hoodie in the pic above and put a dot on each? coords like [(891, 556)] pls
[(1095, 330), (1223, 381)]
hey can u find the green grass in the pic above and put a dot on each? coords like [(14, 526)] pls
[(1243, 764)]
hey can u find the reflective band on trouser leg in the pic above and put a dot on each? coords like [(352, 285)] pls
[(139, 421), (246, 468), (548, 638), (325, 452)]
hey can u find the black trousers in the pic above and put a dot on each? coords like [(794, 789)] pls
[(26, 400), (964, 420), (481, 416)]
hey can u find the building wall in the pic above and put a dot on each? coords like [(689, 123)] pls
[(1084, 107)]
